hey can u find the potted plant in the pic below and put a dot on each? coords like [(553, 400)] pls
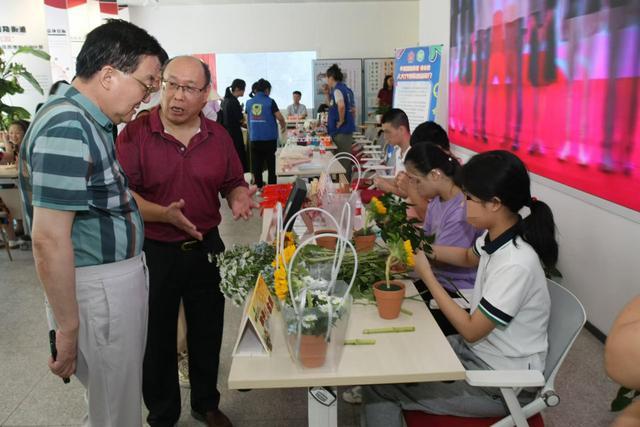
[(390, 293), (364, 239), (10, 72)]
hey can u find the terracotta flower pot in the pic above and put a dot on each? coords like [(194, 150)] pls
[(364, 243), (389, 301), (326, 242), (313, 351)]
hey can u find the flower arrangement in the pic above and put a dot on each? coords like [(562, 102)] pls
[(400, 251), (321, 308), (395, 224), (239, 268), (374, 211)]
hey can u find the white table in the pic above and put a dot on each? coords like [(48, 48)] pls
[(420, 356), (317, 165)]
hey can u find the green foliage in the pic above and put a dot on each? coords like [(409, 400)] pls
[(371, 267), (382, 109), (11, 73), (623, 399), (396, 224)]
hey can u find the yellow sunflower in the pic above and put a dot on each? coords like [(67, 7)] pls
[(280, 282), (377, 206), (410, 261)]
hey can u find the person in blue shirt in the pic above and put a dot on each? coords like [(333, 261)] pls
[(341, 121), (262, 113)]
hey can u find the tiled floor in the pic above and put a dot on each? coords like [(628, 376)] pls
[(31, 396)]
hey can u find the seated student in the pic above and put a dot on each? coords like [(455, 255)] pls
[(507, 327), (436, 176), (430, 132), (395, 126), (297, 109)]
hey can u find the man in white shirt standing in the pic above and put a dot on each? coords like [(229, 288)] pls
[(297, 109)]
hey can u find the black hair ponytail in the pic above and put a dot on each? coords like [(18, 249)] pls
[(227, 92), (426, 157), (501, 174), (539, 230)]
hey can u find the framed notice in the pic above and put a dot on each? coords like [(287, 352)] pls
[(416, 82), (254, 338)]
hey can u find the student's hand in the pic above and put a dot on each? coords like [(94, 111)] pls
[(422, 265), (173, 214), (382, 184), (404, 182), (67, 345)]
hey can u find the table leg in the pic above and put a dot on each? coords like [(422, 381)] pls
[(323, 406)]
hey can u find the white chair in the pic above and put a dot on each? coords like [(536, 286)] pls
[(565, 323)]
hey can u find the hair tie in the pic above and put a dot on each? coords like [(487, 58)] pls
[(531, 201)]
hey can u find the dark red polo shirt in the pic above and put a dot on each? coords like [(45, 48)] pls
[(162, 171)]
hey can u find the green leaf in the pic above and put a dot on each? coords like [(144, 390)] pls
[(36, 52), (29, 77), (14, 113)]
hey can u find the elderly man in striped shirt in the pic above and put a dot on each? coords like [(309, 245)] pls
[(86, 227)]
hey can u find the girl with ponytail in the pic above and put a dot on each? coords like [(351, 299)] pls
[(506, 328)]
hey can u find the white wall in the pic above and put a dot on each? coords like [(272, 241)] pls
[(433, 27), (599, 241), (334, 30)]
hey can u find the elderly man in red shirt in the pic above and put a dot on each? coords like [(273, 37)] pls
[(178, 162)]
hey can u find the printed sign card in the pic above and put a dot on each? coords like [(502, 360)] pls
[(254, 338)]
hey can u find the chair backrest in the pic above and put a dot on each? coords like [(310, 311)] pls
[(565, 323)]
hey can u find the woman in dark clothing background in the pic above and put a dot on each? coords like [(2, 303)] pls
[(233, 118)]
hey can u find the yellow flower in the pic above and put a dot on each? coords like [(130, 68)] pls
[(378, 206), (289, 239), (409, 253), (286, 255), (280, 282)]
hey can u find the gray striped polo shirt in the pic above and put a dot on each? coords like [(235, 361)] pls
[(68, 163)]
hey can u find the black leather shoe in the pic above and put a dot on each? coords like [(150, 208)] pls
[(212, 418)]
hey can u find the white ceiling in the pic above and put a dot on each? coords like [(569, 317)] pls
[(194, 2)]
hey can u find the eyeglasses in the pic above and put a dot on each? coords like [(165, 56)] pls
[(171, 86), (148, 89)]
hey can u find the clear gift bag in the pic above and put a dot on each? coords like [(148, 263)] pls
[(317, 308)]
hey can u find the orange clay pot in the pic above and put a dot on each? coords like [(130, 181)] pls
[(326, 242), (389, 301), (313, 350), (364, 243)]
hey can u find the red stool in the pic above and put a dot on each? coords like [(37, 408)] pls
[(422, 419)]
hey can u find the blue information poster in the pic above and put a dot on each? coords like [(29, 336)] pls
[(416, 81)]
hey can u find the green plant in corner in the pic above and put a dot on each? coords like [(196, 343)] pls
[(382, 109), (10, 73)]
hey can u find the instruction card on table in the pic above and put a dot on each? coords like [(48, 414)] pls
[(254, 338)]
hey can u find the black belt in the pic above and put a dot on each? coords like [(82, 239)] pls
[(208, 242)]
